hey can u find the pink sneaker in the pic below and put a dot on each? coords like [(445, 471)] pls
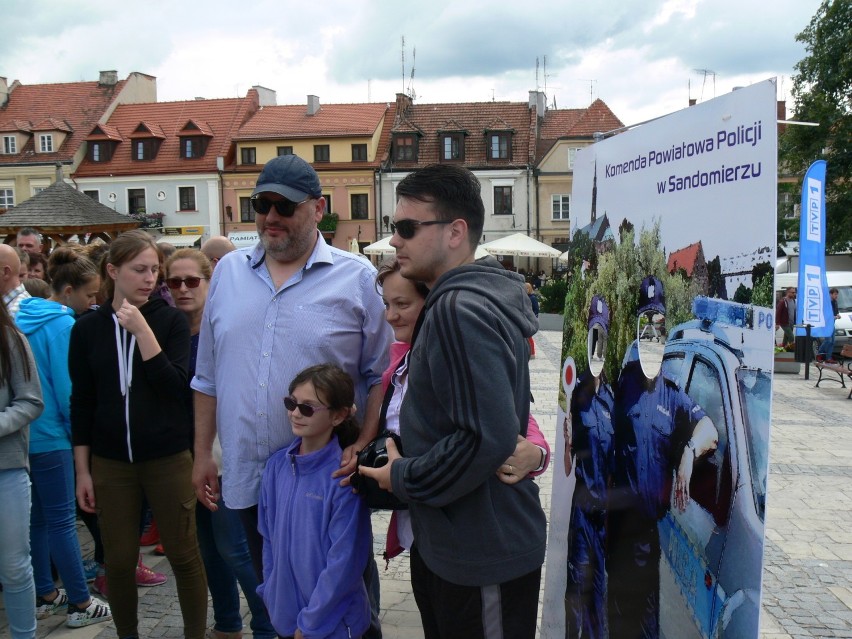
[(99, 585), (147, 577)]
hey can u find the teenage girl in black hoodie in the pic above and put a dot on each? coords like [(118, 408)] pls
[(131, 430)]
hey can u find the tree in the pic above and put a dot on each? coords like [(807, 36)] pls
[(822, 88)]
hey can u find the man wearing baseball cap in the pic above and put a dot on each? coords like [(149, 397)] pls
[(289, 302)]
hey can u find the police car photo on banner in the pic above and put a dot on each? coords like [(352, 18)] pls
[(659, 489)]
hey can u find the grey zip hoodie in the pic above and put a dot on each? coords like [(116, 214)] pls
[(20, 403), (468, 399)]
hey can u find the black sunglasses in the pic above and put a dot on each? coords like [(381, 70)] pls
[(307, 410), (191, 282), (407, 228), (284, 208)]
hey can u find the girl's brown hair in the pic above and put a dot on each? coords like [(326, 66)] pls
[(11, 340), (121, 250), (333, 385), (69, 267)]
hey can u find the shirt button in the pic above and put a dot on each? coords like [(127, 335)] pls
[(269, 325), (266, 354), (263, 384)]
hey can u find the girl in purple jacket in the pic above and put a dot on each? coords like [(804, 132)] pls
[(316, 533)]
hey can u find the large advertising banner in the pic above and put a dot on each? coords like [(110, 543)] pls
[(661, 459)]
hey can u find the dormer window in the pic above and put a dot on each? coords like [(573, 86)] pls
[(405, 147), (500, 145), (100, 151), (193, 147), (145, 149), (452, 147), (10, 144), (45, 143)]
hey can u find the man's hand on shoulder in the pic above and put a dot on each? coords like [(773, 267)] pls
[(383, 475)]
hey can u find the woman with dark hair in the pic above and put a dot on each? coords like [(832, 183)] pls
[(20, 403), (37, 268), (128, 363), (47, 324)]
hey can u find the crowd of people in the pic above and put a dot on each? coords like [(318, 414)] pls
[(230, 391)]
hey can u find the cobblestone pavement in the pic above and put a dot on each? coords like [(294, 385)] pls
[(807, 588)]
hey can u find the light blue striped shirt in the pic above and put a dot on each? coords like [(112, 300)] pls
[(254, 340)]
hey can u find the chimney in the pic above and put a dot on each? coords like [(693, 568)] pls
[(58, 173), (4, 91), (267, 96), (313, 104), (537, 101), (108, 78), (692, 101), (403, 103)]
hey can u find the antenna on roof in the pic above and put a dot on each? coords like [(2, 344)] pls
[(403, 64), (705, 73), (411, 93)]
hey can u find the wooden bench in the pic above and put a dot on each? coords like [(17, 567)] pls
[(842, 369)]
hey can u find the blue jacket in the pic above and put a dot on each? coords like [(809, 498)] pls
[(47, 326), (316, 542)]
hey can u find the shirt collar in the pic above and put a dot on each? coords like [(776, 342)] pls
[(320, 255)]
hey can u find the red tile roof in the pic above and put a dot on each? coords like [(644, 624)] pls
[(78, 104), (575, 123), (428, 120), (221, 118), (684, 258), (332, 120)]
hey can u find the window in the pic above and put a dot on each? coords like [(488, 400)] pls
[(359, 206), (95, 195), (359, 152), (405, 148), (100, 151), (45, 143), (285, 150), (561, 206), (321, 153), (248, 155), (502, 200), (193, 147), (145, 149), (186, 198), (7, 197), (328, 208), (246, 212), (500, 146), (10, 144), (135, 201), (452, 147), (572, 154)]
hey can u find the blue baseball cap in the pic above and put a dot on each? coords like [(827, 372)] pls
[(289, 176), (599, 314), (651, 296)]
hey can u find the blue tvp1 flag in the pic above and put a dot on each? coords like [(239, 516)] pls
[(813, 305)]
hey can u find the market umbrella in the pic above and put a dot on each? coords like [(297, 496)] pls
[(353, 246), (383, 247), (521, 245)]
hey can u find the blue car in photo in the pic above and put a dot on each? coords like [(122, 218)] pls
[(714, 549)]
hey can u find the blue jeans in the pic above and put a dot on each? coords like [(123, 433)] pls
[(53, 525), (224, 549), (827, 347), (16, 571)]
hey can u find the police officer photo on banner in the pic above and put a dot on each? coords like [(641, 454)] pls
[(657, 522)]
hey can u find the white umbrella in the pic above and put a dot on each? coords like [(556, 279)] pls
[(521, 245), (382, 247), (353, 246), (563, 257)]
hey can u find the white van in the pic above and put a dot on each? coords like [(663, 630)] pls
[(842, 281)]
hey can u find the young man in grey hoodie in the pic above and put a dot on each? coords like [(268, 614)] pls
[(478, 542)]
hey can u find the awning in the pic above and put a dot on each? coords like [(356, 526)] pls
[(180, 240)]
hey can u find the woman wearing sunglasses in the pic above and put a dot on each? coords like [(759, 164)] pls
[(131, 430), (404, 300), (221, 535)]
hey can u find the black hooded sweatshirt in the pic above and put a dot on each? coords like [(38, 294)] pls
[(152, 420)]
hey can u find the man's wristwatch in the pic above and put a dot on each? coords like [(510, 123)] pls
[(691, 446)]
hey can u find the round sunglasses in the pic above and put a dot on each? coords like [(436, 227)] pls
[(307, 410), (191, 282)]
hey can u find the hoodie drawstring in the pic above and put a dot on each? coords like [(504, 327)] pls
[(125, 374)]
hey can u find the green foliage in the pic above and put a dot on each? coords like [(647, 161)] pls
[(760, 270), (717, 282), (762, 294), (742, 294), (328, 223), (821, 89), (552, 295)]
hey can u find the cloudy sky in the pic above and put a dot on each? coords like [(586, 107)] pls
[(644, 58)]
